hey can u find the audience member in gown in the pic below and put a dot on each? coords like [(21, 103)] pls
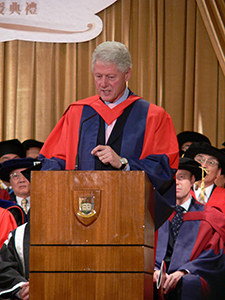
[(9, 149), (11, 171), (186, 138), (212, 161), (191, 248), (32, 148)]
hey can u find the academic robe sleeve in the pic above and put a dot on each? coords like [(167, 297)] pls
[(160, 136), (207, 257), (8, 223), (59, 147)]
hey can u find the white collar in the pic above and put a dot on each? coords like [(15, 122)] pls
[(186, 205), (208, 191)]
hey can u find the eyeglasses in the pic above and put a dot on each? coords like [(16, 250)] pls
[(16, 176), (210, 162)]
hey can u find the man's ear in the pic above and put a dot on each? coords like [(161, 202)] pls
[(127, 74), (192, 179), (218, 172)]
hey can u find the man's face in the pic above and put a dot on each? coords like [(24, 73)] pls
[(33, 152), (20, 185), (110, 83), (8, 157), (210, 163), (185, 146), (184, 182)]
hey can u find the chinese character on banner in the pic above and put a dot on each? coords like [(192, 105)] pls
[(2, 7), (14, 8), (31, 8), (56, 21)]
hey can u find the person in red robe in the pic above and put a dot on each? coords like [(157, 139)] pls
[(141, 134), (212, 161)]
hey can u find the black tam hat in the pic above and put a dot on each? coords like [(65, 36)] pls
[(192, 166), (13, 164), (13, 146)]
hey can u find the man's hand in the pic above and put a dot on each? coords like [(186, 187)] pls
[(24, 292), (156, 275), (107, 156), (171, 281)]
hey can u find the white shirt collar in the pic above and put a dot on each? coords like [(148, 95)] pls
[(186, 205), (208, 191)]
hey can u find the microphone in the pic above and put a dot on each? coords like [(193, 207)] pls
[(81, 126)]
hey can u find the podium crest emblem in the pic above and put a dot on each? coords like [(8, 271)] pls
[(87, 204), (86, 207)]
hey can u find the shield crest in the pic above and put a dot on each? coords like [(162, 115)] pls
[(86, 207), (87, 204)]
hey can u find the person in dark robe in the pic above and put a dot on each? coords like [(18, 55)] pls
[(14, 264), (9, 149), (32, 148), (116, 129), (186, 138), (192, 249), (11, 172)]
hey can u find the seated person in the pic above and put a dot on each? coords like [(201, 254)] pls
[(14, 264), (192, 248), (220, 181), (212, 160), (11, 171), (186, 138), (32, 148), (9, 149)]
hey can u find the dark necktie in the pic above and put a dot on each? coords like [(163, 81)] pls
[(177, 221)]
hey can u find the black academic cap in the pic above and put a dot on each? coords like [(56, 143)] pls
[(189, 164), (27, 173), (13, 164), (32, 143), (191, 136), (208, 149), (13, 146)]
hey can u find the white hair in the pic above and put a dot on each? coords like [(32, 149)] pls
[(112, 52)]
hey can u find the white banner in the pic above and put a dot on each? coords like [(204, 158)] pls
[(60, 21)]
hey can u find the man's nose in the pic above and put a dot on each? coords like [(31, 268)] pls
[(22, 178), (104, 81), (204, 163)]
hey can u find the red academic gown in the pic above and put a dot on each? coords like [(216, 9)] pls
[(216, 199), (159, 136), (149, 140), (7, 224), (4, 194), (199, 248)]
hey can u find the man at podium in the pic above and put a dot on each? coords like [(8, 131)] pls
[(115, 129)]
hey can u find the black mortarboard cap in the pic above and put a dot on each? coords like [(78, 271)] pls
[(13, 146)]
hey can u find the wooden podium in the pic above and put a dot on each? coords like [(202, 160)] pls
[(92, 235)]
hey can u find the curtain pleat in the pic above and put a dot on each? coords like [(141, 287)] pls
[(213, 15), (177, 50), (206, 68)]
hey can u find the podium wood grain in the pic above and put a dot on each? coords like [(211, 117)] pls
[(111, 258)]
